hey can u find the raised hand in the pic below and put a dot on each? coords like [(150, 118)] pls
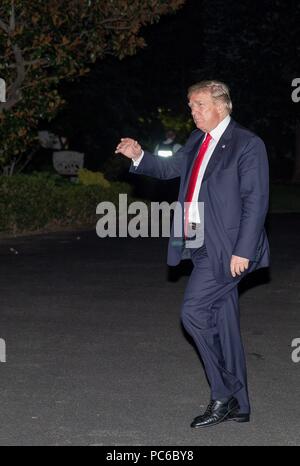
[(130, 148)]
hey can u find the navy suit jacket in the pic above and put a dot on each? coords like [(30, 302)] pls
[(235, 192)]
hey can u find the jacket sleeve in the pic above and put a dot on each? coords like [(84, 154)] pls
[(163, 168), (254, 192)]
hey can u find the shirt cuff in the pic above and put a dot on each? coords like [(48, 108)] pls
[(137, 161)]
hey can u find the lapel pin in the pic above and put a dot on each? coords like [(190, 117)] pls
[(223, 147)]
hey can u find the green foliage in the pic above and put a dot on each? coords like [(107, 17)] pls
[(176, 122), (41, 201), (89, 178), (43, 43)]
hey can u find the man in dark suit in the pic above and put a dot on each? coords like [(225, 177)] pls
[(224, 166)]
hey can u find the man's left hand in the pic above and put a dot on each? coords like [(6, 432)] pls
[(238, 265)]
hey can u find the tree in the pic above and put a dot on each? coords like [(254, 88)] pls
[(43, 43), (123, 97)]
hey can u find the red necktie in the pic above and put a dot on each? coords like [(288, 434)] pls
[(194, 175)]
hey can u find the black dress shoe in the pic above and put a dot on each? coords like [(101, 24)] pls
[(238, 417), (208, 409), (216, 412)]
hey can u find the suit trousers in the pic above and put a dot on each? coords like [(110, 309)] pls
[(210, 315)]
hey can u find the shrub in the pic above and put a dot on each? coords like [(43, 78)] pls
[(34, 202), (89, 178)]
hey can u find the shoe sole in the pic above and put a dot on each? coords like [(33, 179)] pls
[(239, 419)]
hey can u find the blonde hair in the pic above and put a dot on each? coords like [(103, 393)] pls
[(218, 90)]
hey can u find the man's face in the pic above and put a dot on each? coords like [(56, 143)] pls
[(206, 113)]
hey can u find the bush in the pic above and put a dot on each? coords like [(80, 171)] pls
[(89, 178), (40, 201)]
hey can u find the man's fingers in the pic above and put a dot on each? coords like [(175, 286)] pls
[(128, 147), (127, 140), (237, 268), (238, 265), (123, 146), (241, 267), (127, 143), (232, 269)]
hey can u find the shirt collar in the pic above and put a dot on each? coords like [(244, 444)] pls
[(217, 132)]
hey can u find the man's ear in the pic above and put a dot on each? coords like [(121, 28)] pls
[(220, 108)]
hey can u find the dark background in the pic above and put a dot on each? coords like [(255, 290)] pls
[(252, 45)]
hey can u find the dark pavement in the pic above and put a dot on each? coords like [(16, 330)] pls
[(96, 354)]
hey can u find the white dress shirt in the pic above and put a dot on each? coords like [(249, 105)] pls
[(216, 134)]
